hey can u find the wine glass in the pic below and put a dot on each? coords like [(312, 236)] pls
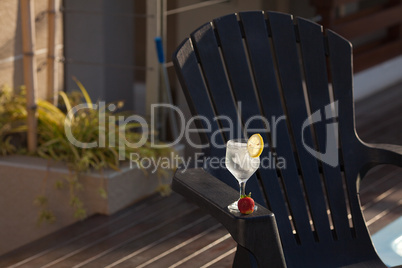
[(241, 165)]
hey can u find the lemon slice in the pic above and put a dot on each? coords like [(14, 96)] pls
[(255, 145)]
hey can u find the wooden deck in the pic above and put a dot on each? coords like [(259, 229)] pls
[(170, 232)]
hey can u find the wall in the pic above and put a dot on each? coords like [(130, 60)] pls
[(11, 72), (100, 48)]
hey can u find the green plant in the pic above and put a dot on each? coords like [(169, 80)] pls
[(12, 119), (54, 144)]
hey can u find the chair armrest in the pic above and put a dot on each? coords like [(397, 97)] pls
[(256, 232), (385, 154)]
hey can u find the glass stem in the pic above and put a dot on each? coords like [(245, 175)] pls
[(242, 188)]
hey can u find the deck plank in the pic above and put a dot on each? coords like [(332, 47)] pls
[(182, 254), (206, 254), (224, 260), (72, 233), (166, 235), (122, 239), (159, 255)]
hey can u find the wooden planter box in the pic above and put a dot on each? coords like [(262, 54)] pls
[(22, 179)]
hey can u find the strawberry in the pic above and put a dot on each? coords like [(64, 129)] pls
[(246, 204)]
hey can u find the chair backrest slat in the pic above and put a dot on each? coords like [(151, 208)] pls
[(341, 71), (234, 53), (261, 61), (312, 42), (197, 92), (290, 74), (199, 101), (206, 45)]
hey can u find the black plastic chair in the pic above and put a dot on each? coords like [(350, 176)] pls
[(299, 78)]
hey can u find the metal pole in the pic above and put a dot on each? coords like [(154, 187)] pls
[(29, 63), (51, 94), (161, 59)]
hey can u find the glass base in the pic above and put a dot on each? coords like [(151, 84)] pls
[(235, 209)]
